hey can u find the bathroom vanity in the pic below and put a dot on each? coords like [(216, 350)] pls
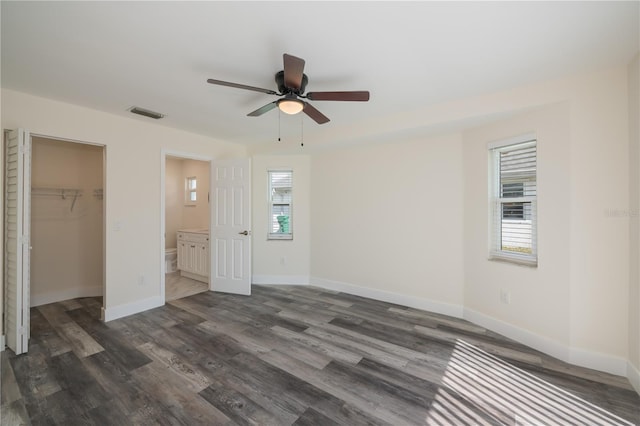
[(193, 254)]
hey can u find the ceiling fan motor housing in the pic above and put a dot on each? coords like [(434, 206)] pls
[(284, 89)]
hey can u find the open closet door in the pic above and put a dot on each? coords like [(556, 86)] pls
[(230, 235), (17, 220)]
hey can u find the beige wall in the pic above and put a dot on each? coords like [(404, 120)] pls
[(66, 233), (281, 261), (386, 221), (634, 225), (178, 214), (174, 200), (134, 247), (196, 215)]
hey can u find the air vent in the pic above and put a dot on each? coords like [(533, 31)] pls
[(146, 112)]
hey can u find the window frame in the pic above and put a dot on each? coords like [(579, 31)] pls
[(270, 206), (497, 201), (188, 191)]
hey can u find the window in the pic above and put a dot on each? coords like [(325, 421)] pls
[(513, 200), (190, 191), (280, 203)]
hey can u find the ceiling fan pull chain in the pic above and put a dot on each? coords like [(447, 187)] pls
[(279, 115), (301, 130)]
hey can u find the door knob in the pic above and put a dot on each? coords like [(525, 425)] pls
[(244, 233)]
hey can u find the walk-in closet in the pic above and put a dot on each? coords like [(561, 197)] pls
[(67, 220)]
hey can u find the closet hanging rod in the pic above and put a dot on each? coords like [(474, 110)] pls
[(57, 192)]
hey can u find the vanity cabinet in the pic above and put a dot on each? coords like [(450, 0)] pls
[(193, 255)]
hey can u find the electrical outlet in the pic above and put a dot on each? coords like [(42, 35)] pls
[(283, 260), (140, 280), (505, 297)]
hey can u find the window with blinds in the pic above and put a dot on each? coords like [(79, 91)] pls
[(513, 201), (280, 204)]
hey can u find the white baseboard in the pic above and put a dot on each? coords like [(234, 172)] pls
[(126, 309), (70, 293), (387, 296), (526, 337), (597, 361), (280, 279), (633, 374)]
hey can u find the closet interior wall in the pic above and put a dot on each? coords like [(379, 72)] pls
[(66, 220)]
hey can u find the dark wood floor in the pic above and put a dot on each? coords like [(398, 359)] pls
[(292, 355)]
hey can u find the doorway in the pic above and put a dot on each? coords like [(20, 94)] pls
[(187, 215), (67, 220), (54, 228)]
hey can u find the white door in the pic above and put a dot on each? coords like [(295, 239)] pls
[(230, 235), (17, 220)]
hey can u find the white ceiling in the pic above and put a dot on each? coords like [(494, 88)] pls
[(158, 55)]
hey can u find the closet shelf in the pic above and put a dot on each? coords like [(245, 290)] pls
[(63, 193), (57, 192)]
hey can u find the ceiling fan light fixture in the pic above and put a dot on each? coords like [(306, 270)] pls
[(290, 106)]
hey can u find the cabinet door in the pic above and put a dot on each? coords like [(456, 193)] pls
[(182, 256), (202, 259)]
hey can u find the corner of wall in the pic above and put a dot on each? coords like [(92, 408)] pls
[(633, 374), (126, 309)]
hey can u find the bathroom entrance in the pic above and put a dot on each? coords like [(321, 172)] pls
[(187, 217)]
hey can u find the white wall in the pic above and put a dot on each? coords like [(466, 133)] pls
[(599, 240), (386, 221), (579, 314), (386, 236), (281, 261), (66, 233), (634, 223), (174, 201), (540, 297), (134, 249)]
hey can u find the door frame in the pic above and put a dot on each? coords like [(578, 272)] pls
[(104, 208), (164, 153)]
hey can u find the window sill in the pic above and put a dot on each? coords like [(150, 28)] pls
[(530, 263), (280, 237)]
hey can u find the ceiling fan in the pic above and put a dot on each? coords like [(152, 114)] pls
[(291, 84)]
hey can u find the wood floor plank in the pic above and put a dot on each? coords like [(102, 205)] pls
[(237, 406), (180, 404), (311, 418), (47, 335), (9, 390), (293, 355)]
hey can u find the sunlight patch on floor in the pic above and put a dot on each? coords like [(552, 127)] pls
[(481, 389)]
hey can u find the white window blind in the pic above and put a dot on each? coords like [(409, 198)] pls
[(280, 204), (190, 190), (513, 202)]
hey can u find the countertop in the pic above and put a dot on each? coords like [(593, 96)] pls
[(195, 230)]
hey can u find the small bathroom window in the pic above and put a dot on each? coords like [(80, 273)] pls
[(191, 195)]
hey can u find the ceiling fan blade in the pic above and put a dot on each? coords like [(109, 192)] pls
[(293, 70), (361, 96), (268, 107), (241, 86), (315, 115)]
